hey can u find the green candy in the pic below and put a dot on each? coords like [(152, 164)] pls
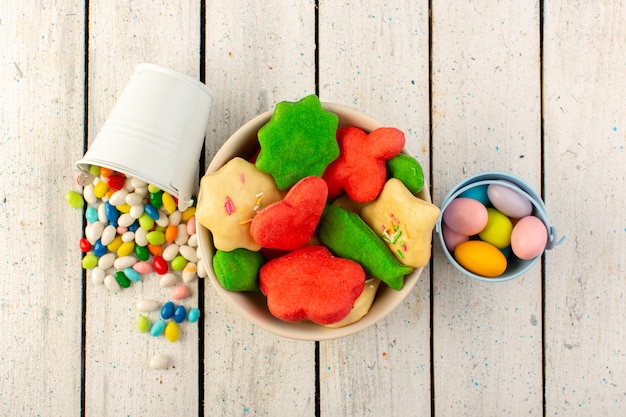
[(178, 263), (143, 324), (408, 170), (145, 222), (348, 236), (122, 279), (142, 253), (155, 237), (74, 199), (90, 261), (156, 199), (238, 270), (298, 141)]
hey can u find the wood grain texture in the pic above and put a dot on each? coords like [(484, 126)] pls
[(487, 347), (374, 57), (41, 122), (118, 381), (257, 54), (585, 125)]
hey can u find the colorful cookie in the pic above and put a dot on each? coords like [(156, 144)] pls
[(299, 141), (361, 305), (408, 170), (229, 200), (348, 236), (290, 223), (404, 222), (361, 168), (311, 284), (238, 270)]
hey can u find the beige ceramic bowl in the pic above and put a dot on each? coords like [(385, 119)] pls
[(253, 306)]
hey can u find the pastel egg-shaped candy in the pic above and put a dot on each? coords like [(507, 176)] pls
[(509, 201), (529, 238), (498, 229), (481, 258), (465, 216), (452, 238)]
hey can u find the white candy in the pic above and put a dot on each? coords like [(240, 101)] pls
[(125, 220), (193, 241), (163, 220), (137, 183), (136, 211), (108, 234), (168, 280), (128, 236), (170, 252), (182, 236), (201, 270), (159, 361), (142, 191), (106, 261), (97, 275), (111, 283), (89, 195), (147, 305), (124, 262), (134, 199), (188, 253), (93, 231), (118, 198), (140, 237), (176, 217), (102, 215), (189, 272), (128, 185)]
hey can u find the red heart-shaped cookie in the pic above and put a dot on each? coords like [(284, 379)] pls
[(290, 223), (311, 284)]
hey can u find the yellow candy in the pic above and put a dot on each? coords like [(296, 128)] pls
[(169, 203), (126, 248), (481, 258), (100, 189), (172, 331), (188, 214), (115, 244), (498, 229), (124, 208)]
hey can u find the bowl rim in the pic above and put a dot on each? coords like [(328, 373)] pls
[(303, 330)]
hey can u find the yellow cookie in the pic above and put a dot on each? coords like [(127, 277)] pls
[(404, 222), (230, 198), (361, 305)]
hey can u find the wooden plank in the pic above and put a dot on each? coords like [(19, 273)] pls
[(257, 54), (487, 347), (374, 57), (41, 120), (118, 378), (585, 120)]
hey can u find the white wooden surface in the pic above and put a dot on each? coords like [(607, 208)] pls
[(532, 88)]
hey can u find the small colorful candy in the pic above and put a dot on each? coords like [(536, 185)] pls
[(298, 141), (361, 168), (311, 284)]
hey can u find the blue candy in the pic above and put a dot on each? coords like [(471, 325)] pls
[(167, 311), (133, 227), (99, 249), (91, 214), (180, 314), (151, 211), (158, 328), (112, 213), (193, 315), (132, 275)]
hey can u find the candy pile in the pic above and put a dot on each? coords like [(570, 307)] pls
[(170, 317), (488, 227), (132, 229)]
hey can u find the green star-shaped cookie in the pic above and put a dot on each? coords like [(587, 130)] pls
[(298, 141)]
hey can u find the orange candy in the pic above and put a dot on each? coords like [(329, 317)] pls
[(170, 233), (155, 249)]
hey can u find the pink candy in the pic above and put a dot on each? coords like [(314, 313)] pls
[(142, 267), (180, 292)]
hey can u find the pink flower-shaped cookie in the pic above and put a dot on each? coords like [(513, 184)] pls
[(311, 284)]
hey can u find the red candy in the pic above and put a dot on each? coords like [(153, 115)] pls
[(116, 182), (361, 168), (160, 265), (84, 245), (311, 284), (290, 223)]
